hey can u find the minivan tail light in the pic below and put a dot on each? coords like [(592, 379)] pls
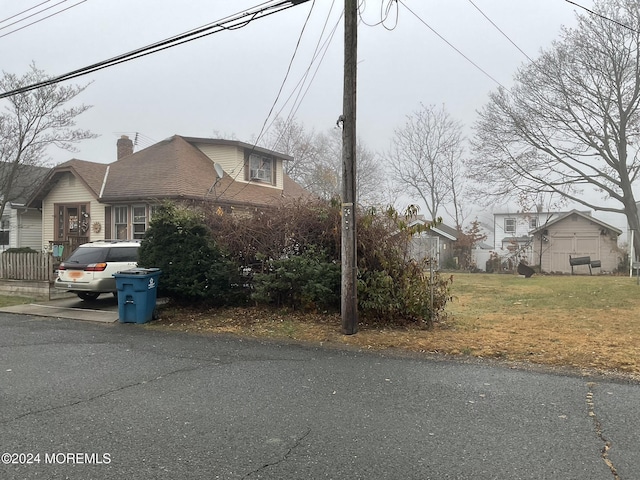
[(95, 267), (62, 267)]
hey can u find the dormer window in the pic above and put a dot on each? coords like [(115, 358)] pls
[(261, 169)]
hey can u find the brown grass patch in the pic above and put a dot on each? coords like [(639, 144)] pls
[(573, 321)]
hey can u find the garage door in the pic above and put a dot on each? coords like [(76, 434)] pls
[(561, 248)]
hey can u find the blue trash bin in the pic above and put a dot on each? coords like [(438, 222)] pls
[(137, 293)]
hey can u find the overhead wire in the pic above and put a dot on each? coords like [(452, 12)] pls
[(40, 19), (24, 11), (384, 15), (320, 47), (603, 17), (257, 140), (500, 30), (450, 44), (232, 22), (301, 96)]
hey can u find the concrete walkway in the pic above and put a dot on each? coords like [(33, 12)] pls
[(104, 309)]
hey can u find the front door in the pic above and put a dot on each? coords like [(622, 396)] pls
[(72, 226)]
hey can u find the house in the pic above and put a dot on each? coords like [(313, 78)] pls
[(85, 201), (437, 243), (575, 234), (21, 226), (512, 240)]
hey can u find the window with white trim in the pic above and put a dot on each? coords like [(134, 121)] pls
[(261, 168), (533, 223), (510, 225), (139, 223)]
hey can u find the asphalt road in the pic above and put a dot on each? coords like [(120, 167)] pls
[(84, 400)]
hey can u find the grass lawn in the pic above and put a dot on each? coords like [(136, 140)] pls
[(590, 322)]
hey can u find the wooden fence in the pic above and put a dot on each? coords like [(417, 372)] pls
[(26, 266)]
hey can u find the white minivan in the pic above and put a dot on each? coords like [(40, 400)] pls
[(89, 270)]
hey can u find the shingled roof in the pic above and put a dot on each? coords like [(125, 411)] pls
[(171, 169)]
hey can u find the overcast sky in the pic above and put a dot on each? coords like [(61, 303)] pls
[(225, 84)]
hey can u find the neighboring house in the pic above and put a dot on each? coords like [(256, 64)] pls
[(437, 243), (21, 226), (575, 234), (85, 201), (512, 240)]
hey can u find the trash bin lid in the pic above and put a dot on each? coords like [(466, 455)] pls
[(138, 271)]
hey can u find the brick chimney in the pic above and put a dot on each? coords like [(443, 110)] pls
[(125, 147)]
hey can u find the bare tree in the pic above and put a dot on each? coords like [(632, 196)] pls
[(426, 155), (31, 123), (369, 169), (291, 137), (571, 120), (317, 161)]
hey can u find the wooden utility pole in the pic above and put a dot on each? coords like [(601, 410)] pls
[(349, 244)]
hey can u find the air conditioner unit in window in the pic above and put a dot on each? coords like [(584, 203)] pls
[(259, 174)]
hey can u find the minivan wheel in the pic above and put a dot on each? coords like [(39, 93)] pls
[(88, 296)]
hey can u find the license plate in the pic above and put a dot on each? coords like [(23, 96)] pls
[(77, 274)]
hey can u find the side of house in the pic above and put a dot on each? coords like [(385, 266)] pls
[(21, 227)]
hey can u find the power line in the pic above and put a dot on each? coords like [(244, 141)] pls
[(39, 20), (603, 17), (448, 43), (321, 46), (500, 30), (295, 51), (384, 14), (232, 22), (24, 11)]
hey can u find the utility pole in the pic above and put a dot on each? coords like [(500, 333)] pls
[(349, 245)]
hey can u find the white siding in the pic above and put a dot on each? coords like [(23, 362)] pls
[(29, 229), (70, 190), (231, 159)]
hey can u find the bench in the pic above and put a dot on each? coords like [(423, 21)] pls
[(574, 261)]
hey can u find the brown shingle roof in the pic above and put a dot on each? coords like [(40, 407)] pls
[(171, 169), (91, 174), (175, 168)]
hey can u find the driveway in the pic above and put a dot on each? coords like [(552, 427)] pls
[(91, 400)]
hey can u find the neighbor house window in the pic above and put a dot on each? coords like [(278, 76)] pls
[(4, 232), (120, 220), (533, 223), (139, 221), (261, 168), (510, 225)]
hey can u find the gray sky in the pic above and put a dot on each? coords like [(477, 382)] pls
[(225, 84)]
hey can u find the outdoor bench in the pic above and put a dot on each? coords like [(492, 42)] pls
[(574, 261)]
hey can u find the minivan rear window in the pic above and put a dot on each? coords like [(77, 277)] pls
[(123, 254), (88, 255)]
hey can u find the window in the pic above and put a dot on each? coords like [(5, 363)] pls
[(260, 168), (120, 216), (4, 232), (510, 225), (533, 223), (139, 221)]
